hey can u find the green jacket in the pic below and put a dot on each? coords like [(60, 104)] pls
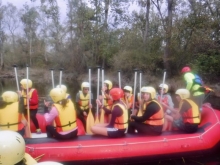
[(193, 88)]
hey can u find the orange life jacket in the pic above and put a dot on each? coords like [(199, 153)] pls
[(157, 118), (192, 115), (121, 122)]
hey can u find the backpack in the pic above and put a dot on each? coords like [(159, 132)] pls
[(198, 80)]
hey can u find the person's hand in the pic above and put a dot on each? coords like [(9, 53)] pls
[(84, 113), (19, 93), (98, 102), (46, 103), (90, 106)]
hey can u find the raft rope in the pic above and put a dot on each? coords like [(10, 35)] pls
[(133, 143)]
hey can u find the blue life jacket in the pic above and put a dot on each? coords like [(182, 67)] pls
[(198, 80)]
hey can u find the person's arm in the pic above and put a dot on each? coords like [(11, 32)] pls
[(116, 112), (170, 101), (49, 117), (150, 110), (188, 77), (34, 98)]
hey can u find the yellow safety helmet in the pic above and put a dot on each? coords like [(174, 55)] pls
[(165, 87), (128, 88), (24, 83), (63, 87), (57, 94), (10, 97), (84, 85), (109, 83), (12, 147), (183, 93), (150, 90)]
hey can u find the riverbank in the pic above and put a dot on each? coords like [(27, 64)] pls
[(43, 83)]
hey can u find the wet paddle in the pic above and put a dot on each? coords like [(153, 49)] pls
[(27, 97), (90, 119), (102, 116), (97, 107), (119, 79), (161, 94), (140, 110), (52, 77)]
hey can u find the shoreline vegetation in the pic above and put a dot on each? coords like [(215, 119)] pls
[(41, 76)]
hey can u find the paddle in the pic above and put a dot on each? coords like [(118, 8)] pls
[(161, 94), (119, 78), (52, 78), (27, 97), (102, 117), (97, 107), (16, 77), (90, 119), (61, 71), (140, 110)]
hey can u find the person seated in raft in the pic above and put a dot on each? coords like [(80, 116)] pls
[(152, 120), (11, 113), (64, 114), (128, 99), (166, 98), (82, 102), (119, 120), (32, 97), (12, 149), (48, 104), (107, 100), (187, 116)]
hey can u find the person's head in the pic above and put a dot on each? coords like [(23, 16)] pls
[(164, 87), (85, 87), (148, 93), (63, 87), (182, 94), (127, 91), (26, 83), (185, 70), (116, 94), (108, 84), (12, 147), (10, 97), (57, 94)]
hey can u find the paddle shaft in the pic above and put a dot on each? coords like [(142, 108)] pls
[(161, 94), (97, 107), (27, 97), (52, 78), (61, 72), (16, 77), (135, 84), (119, 79)]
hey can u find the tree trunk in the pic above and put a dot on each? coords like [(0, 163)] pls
[(146, 33)]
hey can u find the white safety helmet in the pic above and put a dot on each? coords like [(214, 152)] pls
[(128, 88), (183, 93), (12, 147), (150, 90), (84, 85), (63, 87), (49, 163), (165, 87)]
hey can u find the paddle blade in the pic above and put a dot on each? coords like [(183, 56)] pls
[(102, 117), (97, 120), (139, 113), (89, 122)]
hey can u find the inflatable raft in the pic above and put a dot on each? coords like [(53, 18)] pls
[(98, 149)]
